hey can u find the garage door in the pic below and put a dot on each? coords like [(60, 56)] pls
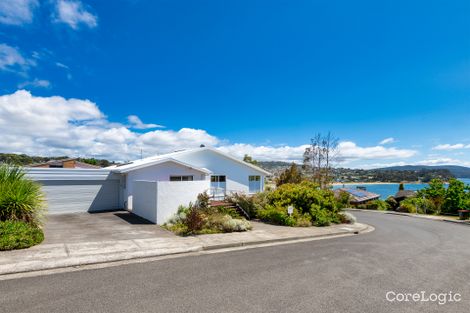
[(81, 195)]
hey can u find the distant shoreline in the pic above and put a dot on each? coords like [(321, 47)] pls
[(375, 183)]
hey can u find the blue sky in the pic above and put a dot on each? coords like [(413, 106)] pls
[(257, 77)]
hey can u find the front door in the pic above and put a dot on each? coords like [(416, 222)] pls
[(218, 186)]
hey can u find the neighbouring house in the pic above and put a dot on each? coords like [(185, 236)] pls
[(152, 187), (359, 195), (404, 194), (64, 163)]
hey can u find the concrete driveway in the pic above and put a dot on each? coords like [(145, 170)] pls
[(105, 226)]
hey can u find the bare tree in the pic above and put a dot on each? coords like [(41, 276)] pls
[(319, 158)]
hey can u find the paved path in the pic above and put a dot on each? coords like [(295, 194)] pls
[(94, 245), (349, 274)]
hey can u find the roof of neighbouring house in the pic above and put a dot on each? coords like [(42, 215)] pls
[(60, 162), (359, 195), (171, 157), (405, 194)]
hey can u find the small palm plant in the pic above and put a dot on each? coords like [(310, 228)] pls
[(20, 198)]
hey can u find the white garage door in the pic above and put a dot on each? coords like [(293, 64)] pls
[(81, 195)]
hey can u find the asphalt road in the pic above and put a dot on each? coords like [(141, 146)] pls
[(349, 274)]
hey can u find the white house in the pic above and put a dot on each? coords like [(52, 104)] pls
[(153, 187)]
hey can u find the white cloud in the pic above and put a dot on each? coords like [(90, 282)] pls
[(36, 83), (350, 151), (387, 141), (58, 64), (266, 153), (13, 61), (449, 147), (136, 123), (74, 14), (75, 127), (17, 12)]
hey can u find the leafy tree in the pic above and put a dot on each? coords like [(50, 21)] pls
[(401, 187), (291, 175), (249, 159), (455, 198), (435, 192)]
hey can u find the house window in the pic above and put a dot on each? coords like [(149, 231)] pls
[(218, 179), (254, 183), (181, 178)]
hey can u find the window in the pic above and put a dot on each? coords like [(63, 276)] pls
[(254, 178), (254, 183), (218, 179), (182, 178)]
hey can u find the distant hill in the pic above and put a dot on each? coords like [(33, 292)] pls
[(457, 171), (392, 174)]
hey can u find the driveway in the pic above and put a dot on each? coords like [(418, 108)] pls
[(104, 226)]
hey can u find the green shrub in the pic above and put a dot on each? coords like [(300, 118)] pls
[(19, 235), (276, 215), (321, 217), (20, 198), (380, 205), (250, 204), (225, 223), (304, 220), (201, 218), (233, 213), (418, 205), (343, 199), (311, 206)]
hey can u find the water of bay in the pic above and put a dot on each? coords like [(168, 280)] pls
[(385, 190)]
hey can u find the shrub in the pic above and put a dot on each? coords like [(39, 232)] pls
[(276, 215), (228, 211), (347, 218), (311, 206), (19, 235), (225, 223), (377, 205), (304, 220), (418, 205), (247, 203), (343, 200), (321, 217), (201, 218), (392, 203), (20, 198), (194, 220)]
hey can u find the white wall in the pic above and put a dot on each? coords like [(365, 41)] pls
[(158, 201), (159, 172), (145, 199), (171, 195), (237, 173)]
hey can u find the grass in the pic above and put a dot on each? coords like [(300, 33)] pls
[(19, 235)]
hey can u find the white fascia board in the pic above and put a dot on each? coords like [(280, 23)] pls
[(132, 167)]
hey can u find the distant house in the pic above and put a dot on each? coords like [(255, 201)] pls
[(359, 195), (64, 163)]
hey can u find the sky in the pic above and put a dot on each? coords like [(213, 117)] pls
[(109, 79)]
